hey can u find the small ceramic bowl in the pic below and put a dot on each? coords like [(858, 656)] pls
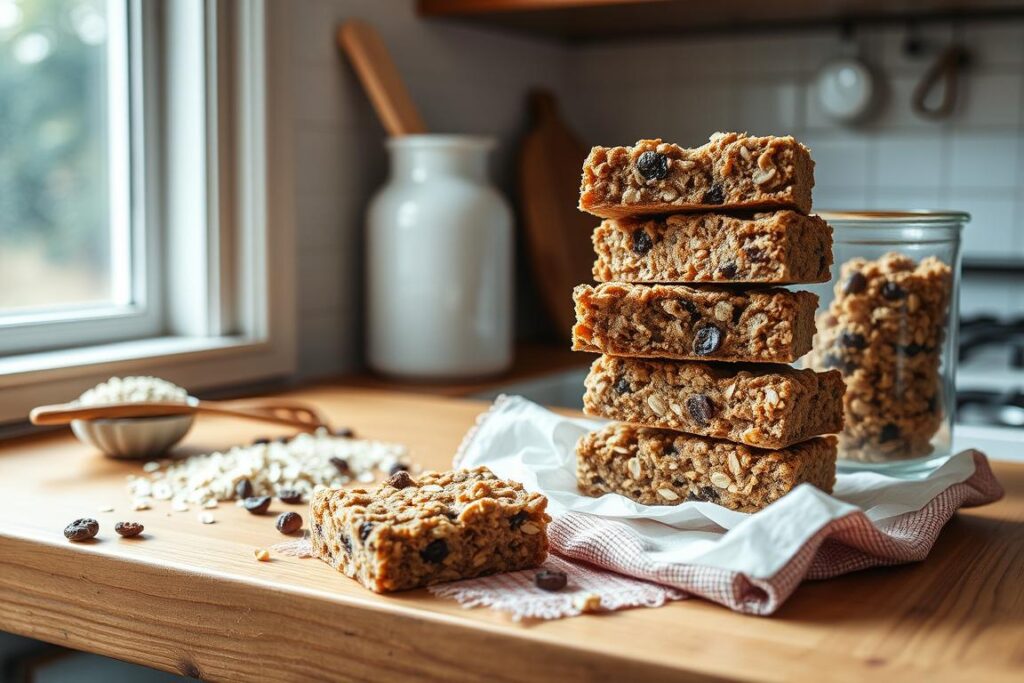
[(133, 437)]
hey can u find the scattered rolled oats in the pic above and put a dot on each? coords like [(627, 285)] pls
[(300, 464), (206, 518)]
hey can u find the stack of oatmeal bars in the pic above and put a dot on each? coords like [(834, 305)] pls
[(694, 331)]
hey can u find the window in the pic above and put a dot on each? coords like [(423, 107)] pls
[(68, 248), (135, 146)]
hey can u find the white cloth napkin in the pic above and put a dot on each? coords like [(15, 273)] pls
[(750, 562)]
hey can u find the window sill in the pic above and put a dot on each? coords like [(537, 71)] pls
[(196, 363)]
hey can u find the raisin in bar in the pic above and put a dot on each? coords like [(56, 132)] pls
[(731, 171), (711, 323), (440, 527), (663, 467), (884, 331), (783, 247), (770, 406)]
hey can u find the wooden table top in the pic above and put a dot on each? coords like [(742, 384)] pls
[(191, 598)]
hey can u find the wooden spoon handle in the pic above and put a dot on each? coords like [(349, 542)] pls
[(305, 419), (299, 412), (381, 80), (64, 413)]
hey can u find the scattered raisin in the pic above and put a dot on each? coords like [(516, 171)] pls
[(257, 505), (716, 195), (400, 480), (889, 432), (678, 482), (622, 386), (345, 432), (82, 529), (435, 551), (855, 284), (892, 291), (364, 531), (290, 496), (852, 340), (260, 441), (707, 340), (128, 529), (289, 522), (652, 166), (701, 409), (341, 465), (671, 449), (243, 489), (642, 242), (737, 313), (281, 439), (398, 467), (516, 520), (550, 580), (346, 543), (728, 270)]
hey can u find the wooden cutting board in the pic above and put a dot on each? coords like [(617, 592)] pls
[(557, 233)]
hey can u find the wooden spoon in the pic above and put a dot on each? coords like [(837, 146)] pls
[(290, 414), (383, 84)]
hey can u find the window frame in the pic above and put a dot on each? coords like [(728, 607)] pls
[(227, 310), (138, 314)]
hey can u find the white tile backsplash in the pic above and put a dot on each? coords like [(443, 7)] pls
[(991, 234), (907, 160), (990, 100), (469, 79)]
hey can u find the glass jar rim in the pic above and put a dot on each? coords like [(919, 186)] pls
[(915, 217)]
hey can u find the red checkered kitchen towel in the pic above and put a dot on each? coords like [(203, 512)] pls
[(618, 553)]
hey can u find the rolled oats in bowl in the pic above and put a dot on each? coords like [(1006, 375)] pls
[(132, 390)]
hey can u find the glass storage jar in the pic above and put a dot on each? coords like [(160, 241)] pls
[(888, 323)]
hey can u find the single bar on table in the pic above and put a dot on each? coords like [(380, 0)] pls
[(769, 406), (440, 526), (782, 247), (663, 467), (730, 172), (709, 323)]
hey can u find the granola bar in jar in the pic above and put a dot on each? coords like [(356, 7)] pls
[(890, 328)]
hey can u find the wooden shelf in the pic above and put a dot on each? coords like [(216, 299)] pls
[(580, 20)]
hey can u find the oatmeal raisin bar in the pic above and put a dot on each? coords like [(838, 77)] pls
[(782, 247), (731, 171), (711, 323), (439, 527), (663, 467), (765, 405), (884, 331)]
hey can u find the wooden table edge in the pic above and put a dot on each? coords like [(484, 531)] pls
[(98, 620)]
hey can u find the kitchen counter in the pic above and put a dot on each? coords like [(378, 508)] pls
[(191, 598)]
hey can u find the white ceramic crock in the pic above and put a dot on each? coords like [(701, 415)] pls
[(439, 263)]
